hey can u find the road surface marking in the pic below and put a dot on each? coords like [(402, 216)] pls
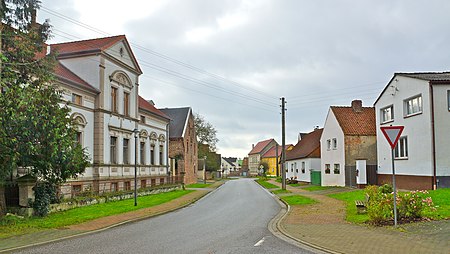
[(259, 242)]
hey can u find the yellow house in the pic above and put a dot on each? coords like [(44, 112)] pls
[(270, 159)]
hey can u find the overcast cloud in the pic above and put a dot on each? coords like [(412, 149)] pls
[(314, 53)]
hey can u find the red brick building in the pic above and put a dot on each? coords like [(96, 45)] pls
[(183, 147)]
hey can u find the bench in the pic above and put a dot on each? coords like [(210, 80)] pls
[(361, 205)]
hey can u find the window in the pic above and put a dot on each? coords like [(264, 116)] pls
[(292, 167), (76, 99), (113, 150), (401, 149), (143, 119), (152, 155), (328, 144), (413, 105), (127, 185), (161, 152), (142, 150), (337, 168), (387, 114), (126, 159), (76, 189), (79, 137), (327, 168), (114, 99), (143, 183), (334, 143), (126, 104), (114, 187), (153, 182), (161, 181), (303, 167)]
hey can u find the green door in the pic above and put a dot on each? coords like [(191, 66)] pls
[(315, 178)]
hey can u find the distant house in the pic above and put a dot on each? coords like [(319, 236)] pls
[(348, 146), (304, 157), (228, 165), (183, 144), (272, 158), (255, 155), (421, 103)]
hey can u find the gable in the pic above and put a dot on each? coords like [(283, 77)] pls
[(121, 51)]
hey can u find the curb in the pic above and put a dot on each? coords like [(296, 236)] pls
[(276, 229), (112, 226)]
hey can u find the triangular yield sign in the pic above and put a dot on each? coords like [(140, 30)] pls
[(392, 134)]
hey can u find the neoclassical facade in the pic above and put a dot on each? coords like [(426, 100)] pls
[(100, 79)]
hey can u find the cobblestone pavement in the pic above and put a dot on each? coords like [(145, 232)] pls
[(323, 225), (8, 244)]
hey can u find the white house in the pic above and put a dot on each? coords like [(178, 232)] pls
[(421, 103), (304, 157), (228, 164), (348, 138), (100, 79)]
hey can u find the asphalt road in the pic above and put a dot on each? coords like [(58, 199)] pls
[(232, 219)]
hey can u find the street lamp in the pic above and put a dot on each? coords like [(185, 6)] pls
[(135, 131), (204, 169)]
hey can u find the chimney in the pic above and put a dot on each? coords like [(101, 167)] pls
[(301, 135), (357, 106), (151, 102), (253, 146)]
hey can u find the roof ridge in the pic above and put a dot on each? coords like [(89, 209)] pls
[(86, 40)]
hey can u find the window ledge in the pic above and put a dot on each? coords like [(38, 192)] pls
[(413, 114), (386, 122), (401, 158)]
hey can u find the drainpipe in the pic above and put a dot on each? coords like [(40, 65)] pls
[(167, 153), (433, 137)]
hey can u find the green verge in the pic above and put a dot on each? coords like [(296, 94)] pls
[(266, 185), (317, 188), (298, 200), (83, 214), (349, 198), (198, 185), (280, 191)]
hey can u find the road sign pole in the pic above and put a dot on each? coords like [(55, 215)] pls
[(395, 189)]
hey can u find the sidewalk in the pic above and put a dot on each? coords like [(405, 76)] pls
[(323, 225), (28, 240)]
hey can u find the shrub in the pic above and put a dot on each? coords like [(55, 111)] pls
[(380, 205), (44, 194), (410, 205)]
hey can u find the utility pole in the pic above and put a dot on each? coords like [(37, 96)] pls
[(283, 145), (277, 173)]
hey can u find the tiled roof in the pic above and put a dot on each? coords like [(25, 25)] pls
[(307, 147), (230, 160), (178, 119), (65, 74), (356, 123), (90, 46), (430, 76), (272, 151), (143, 104), (260, 146)]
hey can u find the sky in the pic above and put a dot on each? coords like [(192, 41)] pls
[(232, 60)]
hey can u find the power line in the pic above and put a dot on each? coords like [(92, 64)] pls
[(163, 56)]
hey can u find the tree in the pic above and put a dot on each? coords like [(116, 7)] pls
[(36, 131), (206, 133)]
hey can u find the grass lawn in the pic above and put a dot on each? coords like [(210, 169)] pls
[(265, 184), (280, 191), (441, 200), (298, 200), (83, 214), (317, 188), (198, 185), (349, 198), (294, 184)]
